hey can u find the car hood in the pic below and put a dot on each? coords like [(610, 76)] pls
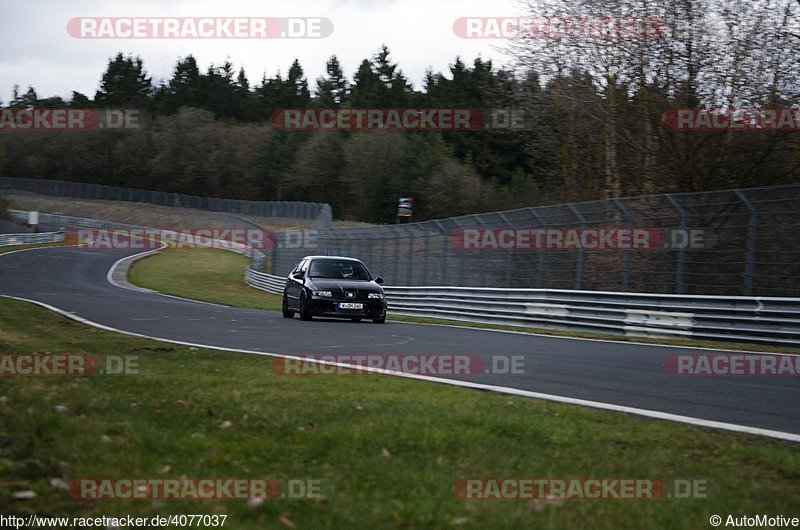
[(340, 286)]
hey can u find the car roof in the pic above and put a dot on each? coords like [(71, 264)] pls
[(331, 257)]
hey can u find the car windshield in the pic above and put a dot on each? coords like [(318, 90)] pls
[(339, 269)]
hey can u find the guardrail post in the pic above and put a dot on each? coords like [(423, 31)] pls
[(509, 252), (409, 271), (445, 250), (275, 251), (539, 251), (626, 267), (681, 258), (349, 245), (324, 245), (463, 270), (752, 227), (371, 244), (425, 258), (397, 259), (581, 257), (482, 251), (384, 241)]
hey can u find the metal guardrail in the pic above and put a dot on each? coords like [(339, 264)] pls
[(766, 320), (265, 282), (7, 240)]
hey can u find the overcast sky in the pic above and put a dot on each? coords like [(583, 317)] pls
[(37, 50)]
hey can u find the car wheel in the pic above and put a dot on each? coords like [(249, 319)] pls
[(304, 313), (380, 320), (287, 313)]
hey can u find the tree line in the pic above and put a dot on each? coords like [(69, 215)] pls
[(594, 113)]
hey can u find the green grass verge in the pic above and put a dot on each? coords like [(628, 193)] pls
[(14, 248), (218, 276), (387, 450), (201, 274)]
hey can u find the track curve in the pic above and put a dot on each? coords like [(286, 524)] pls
[(621, 375)]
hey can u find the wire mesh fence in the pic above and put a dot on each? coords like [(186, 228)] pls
[(735, 242)]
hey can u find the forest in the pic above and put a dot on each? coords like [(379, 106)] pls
[(595, 110)]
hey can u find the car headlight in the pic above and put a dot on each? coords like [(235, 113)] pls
[(322, 293), (379, 296)]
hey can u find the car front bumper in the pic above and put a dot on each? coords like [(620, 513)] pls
[(330, 308)]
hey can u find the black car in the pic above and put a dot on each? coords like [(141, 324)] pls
[(333, 286)]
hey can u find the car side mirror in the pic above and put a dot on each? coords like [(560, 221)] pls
[(300, 274), (378, 280)]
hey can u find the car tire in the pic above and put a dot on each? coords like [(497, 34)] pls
[(379, 320), (287, 313), (304, 313)]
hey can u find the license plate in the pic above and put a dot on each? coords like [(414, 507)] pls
[(345, 305)]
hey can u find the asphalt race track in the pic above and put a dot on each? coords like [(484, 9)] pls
[(630, 375)]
